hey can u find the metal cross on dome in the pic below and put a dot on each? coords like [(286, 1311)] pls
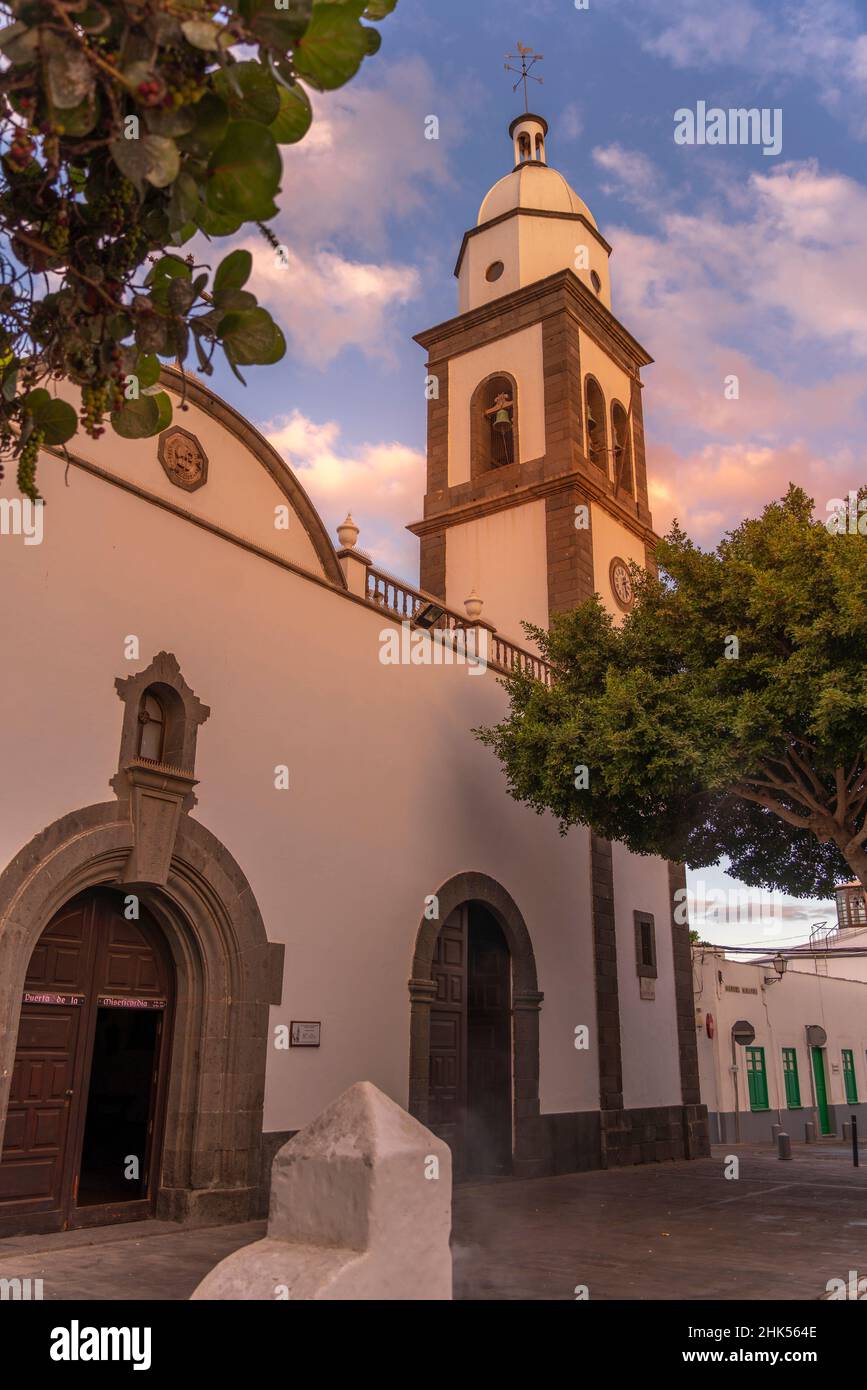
[(522, 55)]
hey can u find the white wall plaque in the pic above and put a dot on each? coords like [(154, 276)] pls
[(305, 1034)]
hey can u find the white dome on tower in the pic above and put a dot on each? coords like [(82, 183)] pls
[(531, 224), (532, 185)]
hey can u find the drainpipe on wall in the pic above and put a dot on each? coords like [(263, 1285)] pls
[(734, 1071), (815, 1106), (717, 1077), (720, 1099), (776, 1068)]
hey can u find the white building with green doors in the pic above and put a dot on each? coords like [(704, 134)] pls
[(807, 1057)]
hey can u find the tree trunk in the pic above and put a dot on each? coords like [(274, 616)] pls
[(856, 858)]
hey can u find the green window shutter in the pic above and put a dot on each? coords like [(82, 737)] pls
[(790, 1076), (756, 1078), (849, 1076)]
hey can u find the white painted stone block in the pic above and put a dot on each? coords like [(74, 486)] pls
[(360, 1209)]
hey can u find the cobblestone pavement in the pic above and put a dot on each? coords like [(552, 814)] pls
[(141, 1260), (661, 1231), (669, 1230)]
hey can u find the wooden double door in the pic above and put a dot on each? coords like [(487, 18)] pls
[(83, 1127), (470, 1096)]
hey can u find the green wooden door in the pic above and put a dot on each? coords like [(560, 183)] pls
[(756, 1078), (790, 1075), (821, 1090), (849, 1076)]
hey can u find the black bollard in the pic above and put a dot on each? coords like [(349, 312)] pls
[(784, 1145), (855, 1159)]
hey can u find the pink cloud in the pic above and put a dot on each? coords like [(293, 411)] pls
[(632, 172), (769, 286), (325, 302), (366, 160), (713, 488), (382, 484), (364, 164)]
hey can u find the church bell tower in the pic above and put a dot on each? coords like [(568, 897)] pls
[(536, 481)]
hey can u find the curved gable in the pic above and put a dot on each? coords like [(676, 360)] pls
[(200, 397), (214, 465)]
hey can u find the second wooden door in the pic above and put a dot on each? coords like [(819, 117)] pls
[(470, 1101)]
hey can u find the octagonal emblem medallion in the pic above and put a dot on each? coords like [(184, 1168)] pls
[(184, 461)]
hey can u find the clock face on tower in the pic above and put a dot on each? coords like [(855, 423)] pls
[(621, 583)]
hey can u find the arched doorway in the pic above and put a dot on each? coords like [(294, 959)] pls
[(82, 1143), (228, 974), (474, 1029), (470, 1103)]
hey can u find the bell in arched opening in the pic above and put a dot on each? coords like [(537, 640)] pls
[(500, 417), (623, 474), (597, 440)]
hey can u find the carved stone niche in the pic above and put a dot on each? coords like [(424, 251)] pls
[(157, 789)]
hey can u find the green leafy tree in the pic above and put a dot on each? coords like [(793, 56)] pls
[(126, 129), (726, 716)]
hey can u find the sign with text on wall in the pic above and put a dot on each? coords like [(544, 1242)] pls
[(305, 1034), (31, 997), (126, 1001)]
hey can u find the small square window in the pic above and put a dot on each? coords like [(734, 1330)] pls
[(645, 945)]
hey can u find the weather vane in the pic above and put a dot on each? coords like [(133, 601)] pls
[(522, 55)]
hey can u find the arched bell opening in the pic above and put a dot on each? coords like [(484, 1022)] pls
[(595, 415), (622, 440), (494, 424)]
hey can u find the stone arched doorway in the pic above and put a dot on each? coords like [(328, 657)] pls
[(84, 1127), (474, 986), (225, 974)]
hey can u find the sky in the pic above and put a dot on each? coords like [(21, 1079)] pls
[(727, 261)]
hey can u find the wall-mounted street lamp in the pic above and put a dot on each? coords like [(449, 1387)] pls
[(428, 615)]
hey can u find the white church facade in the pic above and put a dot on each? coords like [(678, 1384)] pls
[(246, 860)]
